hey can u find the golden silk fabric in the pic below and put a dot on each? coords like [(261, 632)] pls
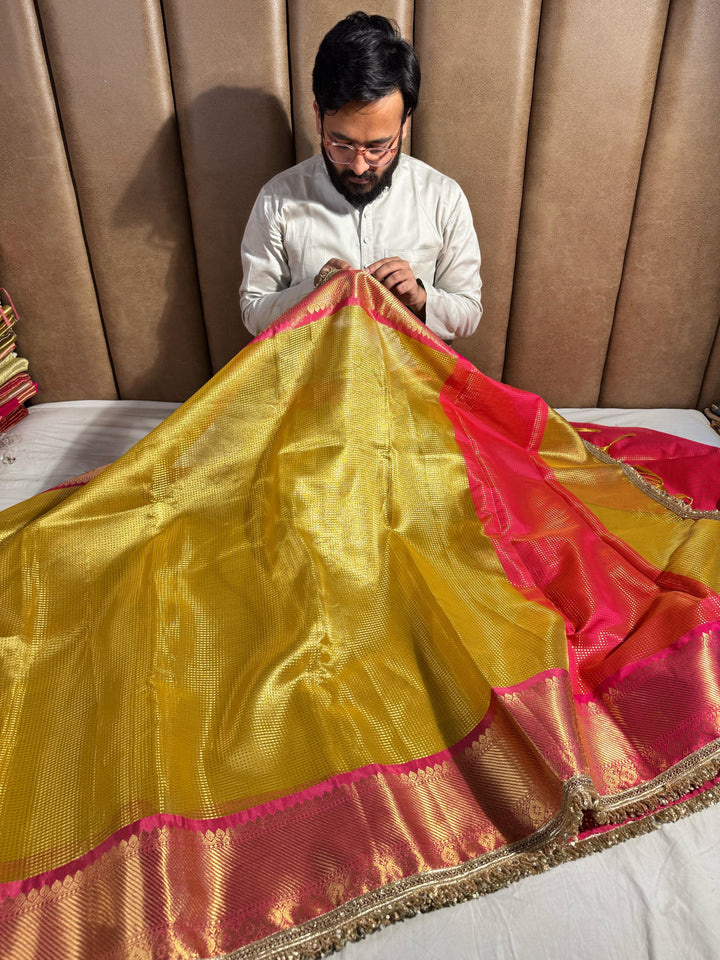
[(355, 632)]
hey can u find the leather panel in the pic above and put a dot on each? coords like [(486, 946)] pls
[(231, 68), (595, 77), (308, 22), (472, 124), (667, 313), (109, 65), (232, 93), (43, 259)]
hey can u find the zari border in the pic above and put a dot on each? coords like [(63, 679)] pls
[(670, 787), (559, 841), (659, 496)]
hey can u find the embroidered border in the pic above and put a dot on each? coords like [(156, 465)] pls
[(676, 794), (659, 496)]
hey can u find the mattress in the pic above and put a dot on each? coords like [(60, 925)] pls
[(655, 896)]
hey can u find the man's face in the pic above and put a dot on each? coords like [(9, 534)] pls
[(373, 124)]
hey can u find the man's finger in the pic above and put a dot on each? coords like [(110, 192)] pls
[(396, 277), (388, 267), (382, 273), (405, 286), (372, 267), (379, 264)]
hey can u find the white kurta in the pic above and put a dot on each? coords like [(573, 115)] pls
[(300, 221)]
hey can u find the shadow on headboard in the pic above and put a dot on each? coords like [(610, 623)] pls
[(586, 135)]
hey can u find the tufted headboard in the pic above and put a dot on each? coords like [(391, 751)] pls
[(585, 133)]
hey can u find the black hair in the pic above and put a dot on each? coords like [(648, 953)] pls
[(364, 58)]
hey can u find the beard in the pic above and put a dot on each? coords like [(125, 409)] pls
[(373, 181)]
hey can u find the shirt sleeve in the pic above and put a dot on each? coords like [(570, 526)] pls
[(265, 292), (453, 307)]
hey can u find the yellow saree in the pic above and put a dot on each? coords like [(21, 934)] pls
[(355, 632)]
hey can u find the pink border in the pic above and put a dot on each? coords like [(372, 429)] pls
[(260, 812), (295, 317), (280, 325), (533, 681), (631, 668), (422, 335)]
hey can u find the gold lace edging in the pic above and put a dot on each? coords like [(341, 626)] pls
[(654, 804), (673, 503)]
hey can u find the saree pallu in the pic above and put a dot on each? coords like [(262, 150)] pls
[(356, 632)]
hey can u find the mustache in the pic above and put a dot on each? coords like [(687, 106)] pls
[(368, 175)]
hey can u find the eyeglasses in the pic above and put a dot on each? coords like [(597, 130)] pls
[(345, 153)]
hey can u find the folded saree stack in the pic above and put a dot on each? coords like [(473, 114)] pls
[(355, 633), (15, 384)]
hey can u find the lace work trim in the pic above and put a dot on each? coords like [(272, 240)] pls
[(657, 802), (675, 504)]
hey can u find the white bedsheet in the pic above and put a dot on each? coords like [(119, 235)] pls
[(58, 441), (657, 896)]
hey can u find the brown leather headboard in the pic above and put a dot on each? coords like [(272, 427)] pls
[(135, 136)]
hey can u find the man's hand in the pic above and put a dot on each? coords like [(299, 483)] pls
[(328, 269), (397, 276)]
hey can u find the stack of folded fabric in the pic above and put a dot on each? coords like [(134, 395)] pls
[(15, 384), (713, 414)]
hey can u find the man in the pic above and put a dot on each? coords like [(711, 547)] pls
[(362, 204)]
